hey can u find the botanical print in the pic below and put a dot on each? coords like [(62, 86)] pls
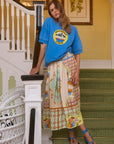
[(80, 11), (76, 5)]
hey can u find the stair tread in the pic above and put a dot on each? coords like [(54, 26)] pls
[(97, 73), (100, 123), (96, 91), (98, 106), (96, 70), (101, 140), (97, 79)]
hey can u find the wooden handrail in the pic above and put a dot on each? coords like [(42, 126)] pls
[(29, 8)]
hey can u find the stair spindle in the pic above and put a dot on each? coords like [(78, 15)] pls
[(28, 37), (23, 31), (13, 34), (7, 29), (18, 39), (2, 26)]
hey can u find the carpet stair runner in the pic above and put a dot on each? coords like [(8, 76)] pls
[(97, 106)]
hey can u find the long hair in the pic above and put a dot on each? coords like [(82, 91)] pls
[(63, 19)]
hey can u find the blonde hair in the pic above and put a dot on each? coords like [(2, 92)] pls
[(63, 19)]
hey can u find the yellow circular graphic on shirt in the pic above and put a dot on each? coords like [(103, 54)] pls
[(60, 37)]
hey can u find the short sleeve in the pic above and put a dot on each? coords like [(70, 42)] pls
[(44, 34), (77, 47)]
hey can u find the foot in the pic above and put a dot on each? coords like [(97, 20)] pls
[(72, 138), (88, 138)]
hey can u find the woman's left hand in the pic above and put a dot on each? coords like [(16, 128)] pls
[(75, 78)]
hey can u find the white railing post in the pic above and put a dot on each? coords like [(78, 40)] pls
[(7, 30), (33, 100), (18, 28), (23, 31), (2, 26), (13, 34), (28, 37)]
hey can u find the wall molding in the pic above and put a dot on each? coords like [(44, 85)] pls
[(96, 64)]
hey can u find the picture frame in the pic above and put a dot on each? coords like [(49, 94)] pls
[(80, 13), (47, 1)]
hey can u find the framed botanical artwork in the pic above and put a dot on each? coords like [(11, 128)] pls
[(80, 12), (47, 1)]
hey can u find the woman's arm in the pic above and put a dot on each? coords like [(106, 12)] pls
[(78, 61), (75, 78), (41, 56)]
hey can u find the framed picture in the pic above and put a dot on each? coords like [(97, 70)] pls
[(47, 1), (80, 12)]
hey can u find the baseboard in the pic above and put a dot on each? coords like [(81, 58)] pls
[(95, 64)]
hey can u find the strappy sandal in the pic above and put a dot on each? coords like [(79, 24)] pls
[(86, 138), (72, 138)]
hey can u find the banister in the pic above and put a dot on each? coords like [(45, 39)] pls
[(29, 8), (21, 7)]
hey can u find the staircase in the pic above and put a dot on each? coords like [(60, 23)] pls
[(15, 42), (97, 106)]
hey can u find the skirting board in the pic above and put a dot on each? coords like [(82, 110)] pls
[(96, 64)]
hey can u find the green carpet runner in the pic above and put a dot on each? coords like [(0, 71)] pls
[(97, 106)]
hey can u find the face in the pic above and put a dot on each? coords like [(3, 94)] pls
[(54, 12)]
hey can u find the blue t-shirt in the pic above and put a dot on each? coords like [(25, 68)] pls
[(58, 41)]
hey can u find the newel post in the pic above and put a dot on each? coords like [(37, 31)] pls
[(39, 18), (33, 100)]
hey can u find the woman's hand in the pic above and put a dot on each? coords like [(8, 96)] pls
[(34, 71), (75, 78)]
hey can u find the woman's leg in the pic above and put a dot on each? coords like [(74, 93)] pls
[(86, 135)]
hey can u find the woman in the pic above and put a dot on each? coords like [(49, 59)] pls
[(61, 47)]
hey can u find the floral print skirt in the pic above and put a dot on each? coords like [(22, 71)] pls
[(61, 107)]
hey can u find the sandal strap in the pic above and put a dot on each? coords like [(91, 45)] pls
[(72, 137), (84, 131), (89, 142)]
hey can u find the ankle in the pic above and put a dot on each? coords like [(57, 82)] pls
[(71, 134)]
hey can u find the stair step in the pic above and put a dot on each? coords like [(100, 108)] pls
[(97, 106), (97, 95), (100, 123), (98, 114), (97, 110), (102, 83), (101, 140), (96, 73)]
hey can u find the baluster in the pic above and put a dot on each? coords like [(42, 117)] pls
[(28, 37), (23, 32), (42, 14), (2, 26), (13, 35), (18, 40), (7, 30)]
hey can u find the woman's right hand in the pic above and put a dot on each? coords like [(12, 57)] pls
[(34, 71)]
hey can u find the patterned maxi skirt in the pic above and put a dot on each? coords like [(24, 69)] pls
[(61, 108)]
